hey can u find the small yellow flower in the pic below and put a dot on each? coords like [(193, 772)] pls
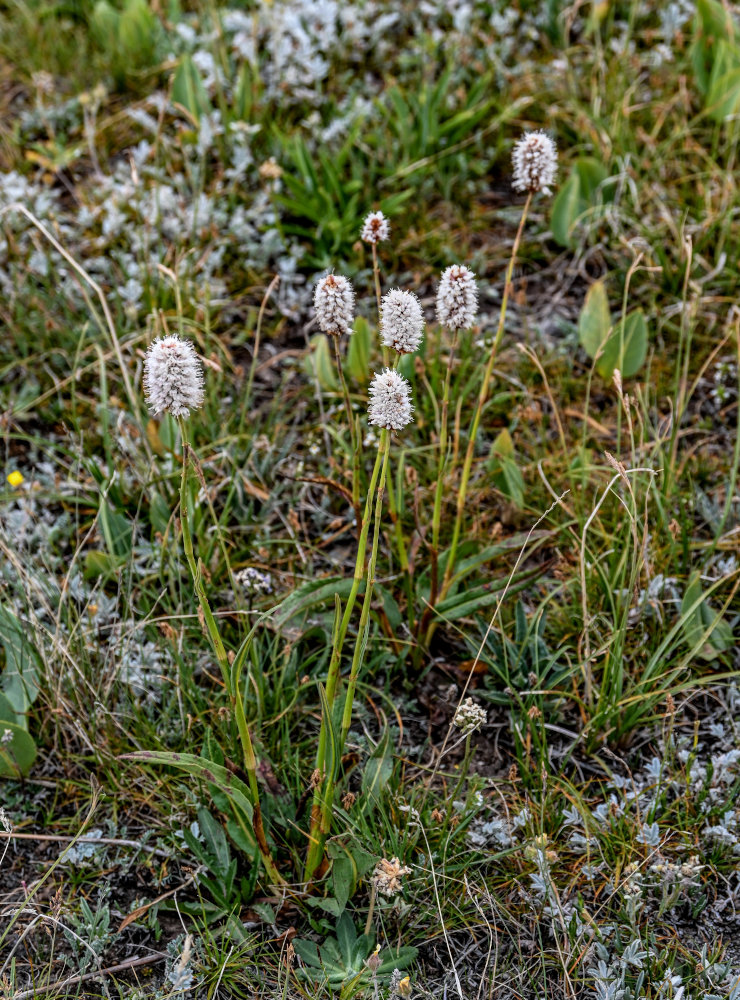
[(404, 987), (15, 478)]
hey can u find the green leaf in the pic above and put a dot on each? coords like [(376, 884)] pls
[(9, 714), (713, 27), (377, 772), (214, 774), (310, 594), (566, 209), (17, 751), (625, 351), (188, 90), (581, 194), (319, 363), (358, 352), (723, 98), (469, 601), (137, 33), (20, 678), (594, 322), (344, 879), (702, 626)]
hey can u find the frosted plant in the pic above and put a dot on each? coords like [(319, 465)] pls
[(401, 321), (457, 298), (173, 377), (390, 402), (334, 302), (469, 717), (375, 228), (535, 161)]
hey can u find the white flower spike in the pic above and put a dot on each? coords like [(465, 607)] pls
[(401, 321), (334, 302), (390, 401), (173, 377), (535, 160), (457, 298), (375, 228)]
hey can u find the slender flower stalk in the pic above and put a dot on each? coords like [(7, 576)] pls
[(390, 409), (318, 834), (457, 306), (482, 400), (173, 380)]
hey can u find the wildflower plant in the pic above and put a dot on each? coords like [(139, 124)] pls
[(173, 383)]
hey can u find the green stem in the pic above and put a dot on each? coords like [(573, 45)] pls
[(482, 400), (362, 632), (196, 571), (315, 848), (437, 514)]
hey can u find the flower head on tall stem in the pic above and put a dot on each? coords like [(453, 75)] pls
[(375, 228), (390, 401), (457, 298), (173, 377), (535, 161), (401, 321), (334, 302)]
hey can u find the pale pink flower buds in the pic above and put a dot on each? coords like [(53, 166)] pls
[(457, 298), (390, 401), (375, 228), (173, 377), (401, 321), (334, 302), (535, 161)]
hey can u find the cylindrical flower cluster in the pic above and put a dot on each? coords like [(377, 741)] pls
[(457, 298), (535, 161), (173, 377), (401, 321), (390, 401), (375, 228), (334, 302)]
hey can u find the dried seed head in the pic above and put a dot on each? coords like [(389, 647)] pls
[(334, 302), (390, 402), (375, 228), (173, 377), (535, 161), (470, 716), (401, 321), (457, 298), (387, 876)]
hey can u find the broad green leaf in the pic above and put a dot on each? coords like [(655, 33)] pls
[(566, 209), (19, 682), (723, 98), (137, 33), (214, 774), (468, 602), (595, 321), (17, 751), (503, 444), (625, 351), (377, 772), (591, 173), (344, 879), (713, 25), (320, 364), (702, 625), (311, 594), (188, 90), (9, 714), (358, 352)]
